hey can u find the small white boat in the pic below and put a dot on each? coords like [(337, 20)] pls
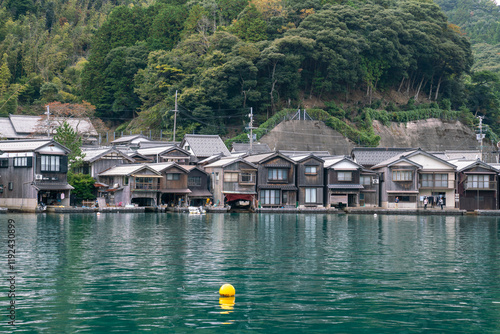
[(196, 210)]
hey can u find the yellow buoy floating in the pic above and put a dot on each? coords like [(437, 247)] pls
[(227, 290)]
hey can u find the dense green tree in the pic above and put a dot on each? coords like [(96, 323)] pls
[(83, 184), (66, 136), (250, 25)]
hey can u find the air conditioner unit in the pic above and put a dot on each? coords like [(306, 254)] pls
[(38, 177)]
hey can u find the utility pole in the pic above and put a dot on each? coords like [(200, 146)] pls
[(175, 115), (48, 121), (250, 126), (480, 136)]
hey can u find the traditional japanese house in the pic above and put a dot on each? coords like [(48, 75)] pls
[(198, 184), (343, 182), (275, 180), (203, 146), (174, 189), (413, 176), (33, 172), (310, 181), (96, 161), (233, 181), (166, 154), (131, 141), (477, 185), (131, 184)]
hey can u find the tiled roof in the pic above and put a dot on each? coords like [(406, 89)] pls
[(466, 164), (206, 145), (7, 130), (22, 145), (392, 159), (123, 170), (94, 154), (24, 124), (371, 156), (222, 162), (291, 154), (159, 167), (126, 139), (153, 150)]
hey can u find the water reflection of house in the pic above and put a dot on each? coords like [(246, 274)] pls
[(477, 185), (33, 172), (276, 179), (173, 189), (343, 182), (232, 180), (130, 184)]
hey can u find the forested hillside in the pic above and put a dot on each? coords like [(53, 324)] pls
[(352, 58)]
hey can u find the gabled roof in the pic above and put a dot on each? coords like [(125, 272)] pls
[(463, 165), (224, 162), (189, 168), (162, 166), (128, 139), (26, 124), (404, 159), (156, 150), (261, 158), (92, 155), (127, 170), (28, 145), (457, 154), (7, 130), (371, 156), (245, 147), (302, 158), (330, 163), (391, 160), (292, 154), (205, 145)]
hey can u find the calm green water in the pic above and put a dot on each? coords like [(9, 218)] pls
[(292, 273)]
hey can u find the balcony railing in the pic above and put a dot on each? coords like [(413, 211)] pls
[(480, 185), (146, 186), (450, 184)]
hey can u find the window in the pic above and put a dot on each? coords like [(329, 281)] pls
[(277, 174), (311, 170), (311, 195), (144, 183), (4, 163), (478, 182), (51, 163), (434, 180), (194, 181), (173, 176), (270, 197), (344, 176), (426, 180), (21, 162), (230, 177), (402, 175), (441, 180), (247, 178), (365, 180)]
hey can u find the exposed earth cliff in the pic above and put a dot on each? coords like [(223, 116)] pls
[(429, 135)]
